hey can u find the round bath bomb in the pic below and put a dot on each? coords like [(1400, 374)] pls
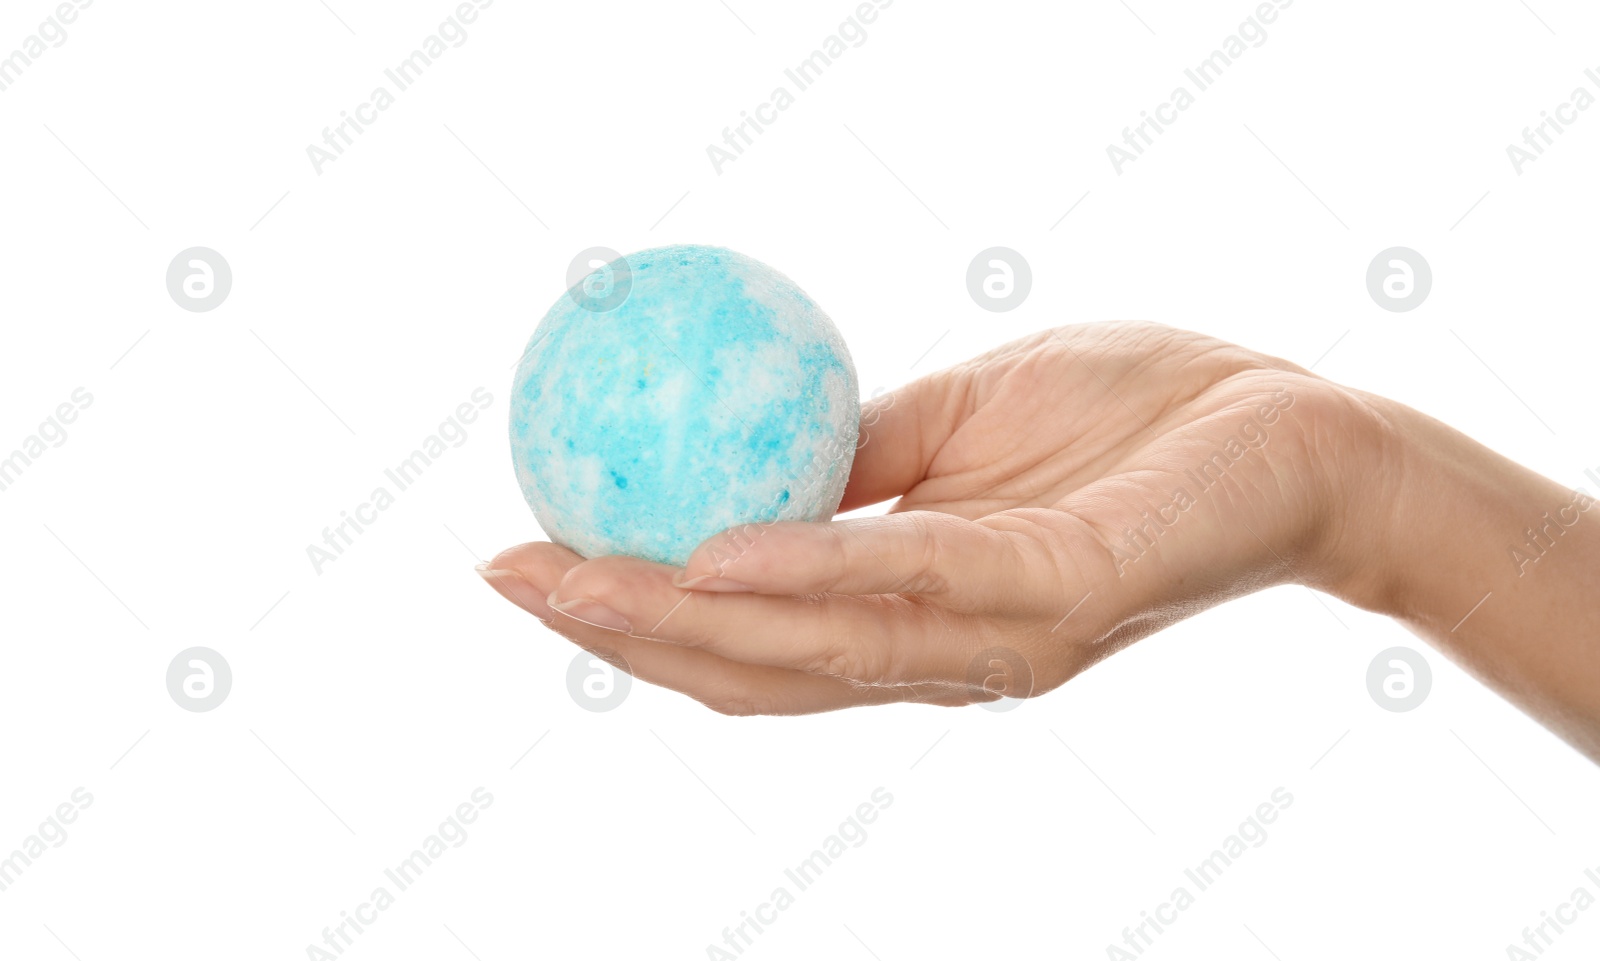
[(678, 392)]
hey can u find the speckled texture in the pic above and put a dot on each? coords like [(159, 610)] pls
[(717, 394)]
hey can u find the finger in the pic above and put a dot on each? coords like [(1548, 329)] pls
[(873, 640), (900, 434), (731, 687), (968, 564), (526, 574)]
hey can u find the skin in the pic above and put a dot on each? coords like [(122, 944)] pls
[(1039, 529)]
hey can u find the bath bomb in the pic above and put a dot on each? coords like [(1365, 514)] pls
[(678, 392)]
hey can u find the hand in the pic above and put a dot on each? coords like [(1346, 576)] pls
[(1079, 489), (1060, 498)]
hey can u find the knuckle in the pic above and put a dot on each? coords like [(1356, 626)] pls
[(836, 659), (838, 554), (838, 655), (852, 650), (933, 535), (928, 576)]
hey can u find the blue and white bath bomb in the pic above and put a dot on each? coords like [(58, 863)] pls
[(715, 394)]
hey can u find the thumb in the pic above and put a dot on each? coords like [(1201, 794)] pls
[(901, 432)]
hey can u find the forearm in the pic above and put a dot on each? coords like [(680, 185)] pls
[(1494, 564)]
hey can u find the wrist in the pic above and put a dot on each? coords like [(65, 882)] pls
[(1431, 520), (1490, 562), (1378, 506)]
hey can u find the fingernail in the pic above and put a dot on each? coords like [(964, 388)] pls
[(515, 588), (710, 582), (592, 613)]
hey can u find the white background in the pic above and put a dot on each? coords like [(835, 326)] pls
[(370, 700)]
